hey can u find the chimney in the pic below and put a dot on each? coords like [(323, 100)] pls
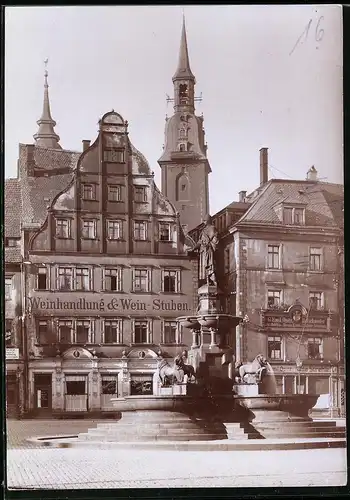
[(242, 195), (311, 174), (86, 144), (263, 166)]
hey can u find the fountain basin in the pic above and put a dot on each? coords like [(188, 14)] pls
[(190, 322), (279, 416), (161, 418), (218, 321)]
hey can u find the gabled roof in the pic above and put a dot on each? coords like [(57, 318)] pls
[(321, 201), (13, 208)]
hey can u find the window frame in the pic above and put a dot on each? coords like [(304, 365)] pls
[(119, 332), (143, 192), (119, 278), (319, 296), (94, 226), (272, 338), (145, 230), (271, 294), (311, 341), (8, 288), (293, 218), (118, 188), (273, 255), (91, 330), (311, 266), (119, 225), (41, 322), (169, 228), (74, 286), (147, 322), (173, 322), (65, 322), (86, 193), (148, 279), (47, 277), (58, 224), (177, 272)]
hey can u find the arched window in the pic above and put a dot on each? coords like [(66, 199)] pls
[(182, 147), (182, 188)]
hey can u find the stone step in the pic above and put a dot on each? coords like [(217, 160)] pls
[(301, 423), (301, 435), (151, 432), (141, 438), (287, 429), (159, 425)]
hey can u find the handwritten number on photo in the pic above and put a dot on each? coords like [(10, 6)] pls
[(319, 33)]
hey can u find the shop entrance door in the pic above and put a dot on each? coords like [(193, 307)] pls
[(43, 393)]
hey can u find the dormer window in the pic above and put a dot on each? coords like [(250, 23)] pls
[(294, 215), (182, 147)]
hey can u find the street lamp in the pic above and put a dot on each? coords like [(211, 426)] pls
[(299, 364)]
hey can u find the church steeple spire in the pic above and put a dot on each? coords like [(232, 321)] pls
[(183, 69), (184, 80), (46, 136)]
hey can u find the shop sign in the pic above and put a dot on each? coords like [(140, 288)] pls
[(12, 353), (287, 321), (109, 305)]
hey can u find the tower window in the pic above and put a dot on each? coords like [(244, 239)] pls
[(182, 188), (183, 90)]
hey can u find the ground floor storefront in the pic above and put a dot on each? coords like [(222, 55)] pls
[(14, 389), (327, 381), (79, 383)]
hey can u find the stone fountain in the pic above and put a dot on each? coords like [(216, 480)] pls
[(202, 395)]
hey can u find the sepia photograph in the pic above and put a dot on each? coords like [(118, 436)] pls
[(174, 247)]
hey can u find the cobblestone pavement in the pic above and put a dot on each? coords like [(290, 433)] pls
[(84, 469), (54, 468), (19, 430)]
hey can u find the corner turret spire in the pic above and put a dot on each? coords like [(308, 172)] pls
[(183, 69), (46, 136)]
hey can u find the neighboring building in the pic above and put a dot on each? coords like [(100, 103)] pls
[(184, 163), (284, 250), (13, 299)]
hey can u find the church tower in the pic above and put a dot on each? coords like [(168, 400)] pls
[(184, 162)]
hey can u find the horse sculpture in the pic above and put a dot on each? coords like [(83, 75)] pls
[(169, 374), (253, 371)]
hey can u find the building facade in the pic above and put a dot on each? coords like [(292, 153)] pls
[(279, 264), (97, 270), (105, 276)]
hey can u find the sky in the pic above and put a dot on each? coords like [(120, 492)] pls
[(270, 76)]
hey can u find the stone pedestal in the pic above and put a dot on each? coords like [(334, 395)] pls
[(246, 390)]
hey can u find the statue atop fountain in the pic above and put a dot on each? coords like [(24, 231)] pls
[(207, 244)]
